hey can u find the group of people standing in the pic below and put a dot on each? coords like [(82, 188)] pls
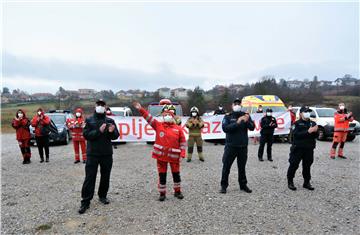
[(97, 131)]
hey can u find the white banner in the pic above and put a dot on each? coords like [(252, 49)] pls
[(136, 129)]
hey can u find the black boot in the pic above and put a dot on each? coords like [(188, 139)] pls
[(83, 208), (270, 159), (162, 197), (222, 190), (41, 159), (47, 159), (291, 185), (307, 185), (261, 159), (245, 188), (179, 195), (76, 161)]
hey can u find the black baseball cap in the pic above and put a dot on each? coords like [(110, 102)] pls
[(237, 100), (101, 102), (269, 110), (305, 109)]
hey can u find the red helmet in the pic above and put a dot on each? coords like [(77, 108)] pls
[(164, 101)]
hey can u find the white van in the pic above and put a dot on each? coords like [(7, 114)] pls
[(121, 111)]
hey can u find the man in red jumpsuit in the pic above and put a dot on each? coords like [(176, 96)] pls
[(76, 127), (341, 128), (169, 147), (21, 124), (41, 124)]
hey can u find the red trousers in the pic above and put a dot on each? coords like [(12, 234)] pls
[(76, 149), (162, 170), (25, 148)]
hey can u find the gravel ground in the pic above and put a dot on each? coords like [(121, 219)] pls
[(44, 198)]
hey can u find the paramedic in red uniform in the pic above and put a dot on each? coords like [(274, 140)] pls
[(76, 126), (169, 147), (21, 124)]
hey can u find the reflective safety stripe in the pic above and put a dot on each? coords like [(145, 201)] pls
[(177, 185), (169, 149), (162, 154), (157, 152), (162, 187), (148, 118), (158, 146), (341, 129), (173, 155)]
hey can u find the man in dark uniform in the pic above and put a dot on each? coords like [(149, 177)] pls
[(236, 126), (302, 148), (220, 110), (99, 130), (268, 125)]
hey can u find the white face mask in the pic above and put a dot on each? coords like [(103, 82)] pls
[(168, 118), (108, 112), (100, 109), (39, 113), (193, 114), (78, 114), (306, 115), (268, 114), (342, 107), (260, 109), (20, 115), (236, 108), (220, 108)]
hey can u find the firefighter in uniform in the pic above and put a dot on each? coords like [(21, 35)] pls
[(169, 147), (236, 125), (21, 124), (99, 130), (76, 126), (172, 109), (341, 128), (41, 124), (302, 148), (195, 124), (268, 125)]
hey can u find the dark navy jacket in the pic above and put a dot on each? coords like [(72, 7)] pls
[(99, 144), (236, 133), (301, 137), (266, 128)]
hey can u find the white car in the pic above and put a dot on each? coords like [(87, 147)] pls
[(121, 111), (324, 118)]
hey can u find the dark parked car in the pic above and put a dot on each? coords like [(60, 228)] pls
[(58, 118)]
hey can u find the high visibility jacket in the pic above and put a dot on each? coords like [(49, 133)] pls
[(170, 142), (76, 127), (342, 121)]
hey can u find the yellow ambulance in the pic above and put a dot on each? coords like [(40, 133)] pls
[(251, 103)]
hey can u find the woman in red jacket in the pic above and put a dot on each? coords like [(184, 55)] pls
[(21, 124), (41, 124), (169, 147), (76, 126)]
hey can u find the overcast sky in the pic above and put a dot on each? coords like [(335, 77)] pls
[(151, 45)]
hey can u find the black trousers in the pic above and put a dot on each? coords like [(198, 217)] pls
[(267, 139), (91, 168), (42, 143), (230, 153), (306, 155)]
